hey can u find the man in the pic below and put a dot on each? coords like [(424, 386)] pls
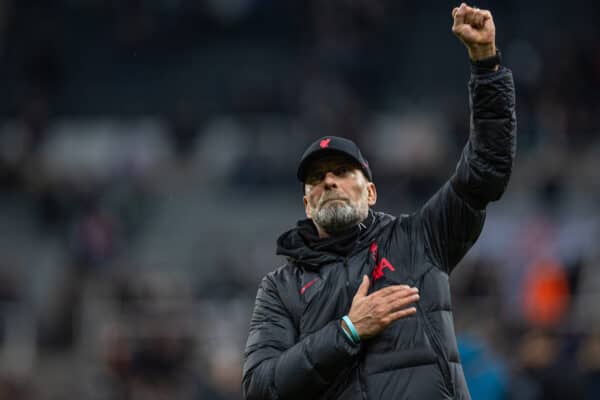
[(362, 308)]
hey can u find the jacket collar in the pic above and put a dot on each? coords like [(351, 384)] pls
[(302, 246)]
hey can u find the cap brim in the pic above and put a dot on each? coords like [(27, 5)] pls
[(305, 163)]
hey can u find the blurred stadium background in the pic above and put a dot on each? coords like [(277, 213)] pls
[(147, 165)]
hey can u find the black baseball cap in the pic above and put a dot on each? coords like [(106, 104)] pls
[(331, 145)]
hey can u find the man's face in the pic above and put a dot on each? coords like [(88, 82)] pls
[(337, 194)]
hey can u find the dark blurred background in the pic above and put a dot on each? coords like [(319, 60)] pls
[(147, 165)]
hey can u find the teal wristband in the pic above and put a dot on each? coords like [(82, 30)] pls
[(350, 338), (350, 325)]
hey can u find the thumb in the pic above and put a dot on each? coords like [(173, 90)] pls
[(463, 31), (458, 13), (363, 289)]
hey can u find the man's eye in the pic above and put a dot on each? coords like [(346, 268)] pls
[(314, 178), (341, 171)]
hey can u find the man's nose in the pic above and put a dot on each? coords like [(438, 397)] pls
[(330, 179)]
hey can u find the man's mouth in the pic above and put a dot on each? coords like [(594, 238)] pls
[(332, 199)]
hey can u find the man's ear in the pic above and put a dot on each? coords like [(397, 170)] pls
[(306, 207), (372, 194)]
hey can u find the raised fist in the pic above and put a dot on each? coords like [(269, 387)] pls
[(475, 28)]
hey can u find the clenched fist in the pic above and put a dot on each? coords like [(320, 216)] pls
[(475, 28), (372, 313)]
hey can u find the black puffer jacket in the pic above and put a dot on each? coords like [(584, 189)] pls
[(296, 348)]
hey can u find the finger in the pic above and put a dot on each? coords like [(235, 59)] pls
[(478, 19), (486, 14), (482, 17), (471, 16), (402, 313), (402, 302), (363, 289), (454, 11), (395, 290), (389, 290), (488, 19), (459, 15), (463, 31)]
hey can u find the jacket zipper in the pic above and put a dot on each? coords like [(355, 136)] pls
[(441, 354), (347, 277), (358, 369)]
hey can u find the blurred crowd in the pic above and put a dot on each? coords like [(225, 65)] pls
[(147, 165)]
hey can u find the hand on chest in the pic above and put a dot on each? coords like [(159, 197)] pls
[(327, 295)]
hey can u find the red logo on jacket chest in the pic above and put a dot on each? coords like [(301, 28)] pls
[(381, 264)]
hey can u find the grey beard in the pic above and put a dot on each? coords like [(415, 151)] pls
[(337, 219)]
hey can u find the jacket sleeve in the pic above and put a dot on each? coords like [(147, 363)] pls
[(279, 366), (452, 219)]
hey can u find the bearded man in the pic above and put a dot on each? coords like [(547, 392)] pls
[(361, 310)]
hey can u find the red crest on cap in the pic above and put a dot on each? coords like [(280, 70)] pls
[(325, 143)]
